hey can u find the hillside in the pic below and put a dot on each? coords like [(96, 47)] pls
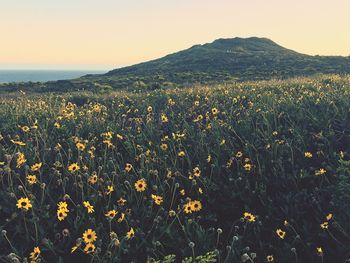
[(222, 60)]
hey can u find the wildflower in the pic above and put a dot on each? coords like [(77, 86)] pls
[(239, 154), (269, 258), (61, 214), (25, 129), (89, 248), (128, 167), (181, 154), (324, 225), (319, 251), (196, 171), (157, 199), (57, 125), (111, 214), (21, 160), (110, 189), (119, 136), (281, 233), (31, 179), (182, 192), (149, 109), (121, 201), (74, 248), (164, 118), (140, 185), (35, 254), (130, 234), (214, 111), (250, 217), (320, 172), (35, 167), (20, 143), (329, 217), (24, 203), (164, 146), (247, 167), (121, 218), (92, 178), (187, 208), (196, 205), (73, 167), (209, 158), (80, 146), (89, 236), (308, 155), (89, 207)]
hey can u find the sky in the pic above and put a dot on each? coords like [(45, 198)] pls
[(105, 34)]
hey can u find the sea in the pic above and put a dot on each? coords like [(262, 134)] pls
[(42, 75)]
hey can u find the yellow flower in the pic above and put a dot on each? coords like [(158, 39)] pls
[(119, 136), (196, 205), (187, 208), (80, 146), (111, 214), (214, 111), (93, 178), (164, 146), (140, 185), (130, 234), (157, 199), (181, 154), (121, 218), (250, 217), (308, 155), (24, 203), (35, 167), (196, 171), (121, 201), (35, 254), (74, 248), (89, 248), (61, 214), (31, 179), (89, 236), (329, 217), (281, 233), (319, 251), (320, 172), (164, 118), (324, 225), (247, 167), (149, 109), (239, 154), (18, 143), (209, 158), (269, 258), (89, 207), (25, 129), (128, 167), (110, 189), (73, 167)]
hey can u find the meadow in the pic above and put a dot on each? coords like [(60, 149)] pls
[(253, 171)]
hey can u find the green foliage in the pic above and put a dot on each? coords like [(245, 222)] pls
[(272, 155)]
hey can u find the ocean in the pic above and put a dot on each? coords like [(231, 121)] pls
[(42, 75)]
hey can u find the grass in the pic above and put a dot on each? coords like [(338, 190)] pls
[(251, 172)]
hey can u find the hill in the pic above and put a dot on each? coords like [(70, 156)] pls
[(220, 61)]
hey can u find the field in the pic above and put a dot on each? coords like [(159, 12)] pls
[(244, 172)]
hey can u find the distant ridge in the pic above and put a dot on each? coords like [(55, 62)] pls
[(230, 59)]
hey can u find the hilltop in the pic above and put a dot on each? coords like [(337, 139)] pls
[(234, 59)]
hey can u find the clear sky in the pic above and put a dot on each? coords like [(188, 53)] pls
[(104, 34)]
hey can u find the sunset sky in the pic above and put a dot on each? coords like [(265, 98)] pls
[(104, 34)]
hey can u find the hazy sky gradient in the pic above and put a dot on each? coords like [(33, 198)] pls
[(104, 34)]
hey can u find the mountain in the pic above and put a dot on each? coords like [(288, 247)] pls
[(222, 60), (225, 59)]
